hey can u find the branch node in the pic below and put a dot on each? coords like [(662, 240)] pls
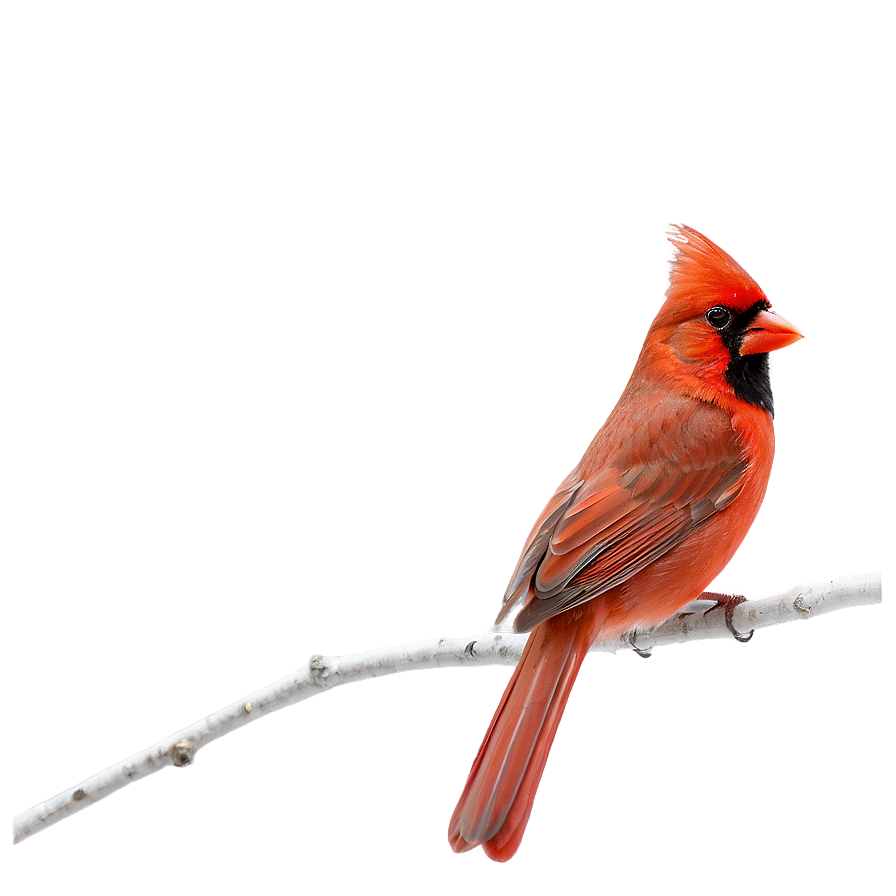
[(504, 647), (800, 607), (79, 794), (319, 667), (468, 650), (183, 753)]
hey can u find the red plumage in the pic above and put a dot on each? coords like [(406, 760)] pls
[(651, 514)]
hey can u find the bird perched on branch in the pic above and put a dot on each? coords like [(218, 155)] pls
[(649, 516)]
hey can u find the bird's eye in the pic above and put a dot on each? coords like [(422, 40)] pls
[(719, 317)]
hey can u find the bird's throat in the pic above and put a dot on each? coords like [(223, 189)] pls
[(748, 377)]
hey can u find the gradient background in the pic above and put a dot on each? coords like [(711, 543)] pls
[(308, 308)]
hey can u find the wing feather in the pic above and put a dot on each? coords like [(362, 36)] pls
[(538, 539), (643, 499)]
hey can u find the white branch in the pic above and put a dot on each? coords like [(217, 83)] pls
[(496, 648)]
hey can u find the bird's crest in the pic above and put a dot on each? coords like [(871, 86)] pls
[(702, 272)]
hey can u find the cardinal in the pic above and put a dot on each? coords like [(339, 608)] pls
[(648, 517)]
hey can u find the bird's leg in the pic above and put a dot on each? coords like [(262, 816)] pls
[(729, 602)]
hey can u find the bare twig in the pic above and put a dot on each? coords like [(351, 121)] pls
[(496, 648)]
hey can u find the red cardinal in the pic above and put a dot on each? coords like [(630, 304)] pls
[(645, 521)]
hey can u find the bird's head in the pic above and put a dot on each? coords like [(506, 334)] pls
[(716, 327)]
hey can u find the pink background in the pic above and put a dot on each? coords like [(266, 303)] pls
[(306, 309)]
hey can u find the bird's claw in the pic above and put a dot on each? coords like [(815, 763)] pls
[(729, 602), (644, 653)]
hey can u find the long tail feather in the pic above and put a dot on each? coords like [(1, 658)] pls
[(495, 805)]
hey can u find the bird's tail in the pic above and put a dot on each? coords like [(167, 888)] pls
[(496, 802)]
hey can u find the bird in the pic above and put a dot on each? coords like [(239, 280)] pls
[(651, 514)]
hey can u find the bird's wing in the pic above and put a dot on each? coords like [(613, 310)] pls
[(642, 498), (539, 538)]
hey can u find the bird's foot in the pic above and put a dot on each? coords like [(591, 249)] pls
[(644, 653), (729, 602)]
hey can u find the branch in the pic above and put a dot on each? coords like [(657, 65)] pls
[(322, 673)]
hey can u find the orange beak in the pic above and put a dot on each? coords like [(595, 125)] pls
[(768, 331)]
